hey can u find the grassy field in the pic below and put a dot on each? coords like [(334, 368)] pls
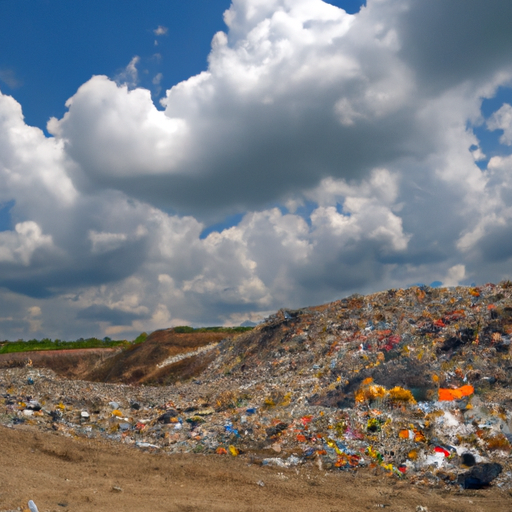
[(8, 347)]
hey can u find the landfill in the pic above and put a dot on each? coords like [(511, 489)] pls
[(411, 382)]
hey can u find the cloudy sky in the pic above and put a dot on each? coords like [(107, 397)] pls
[(208, 162)]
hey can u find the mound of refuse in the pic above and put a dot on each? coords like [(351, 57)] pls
[(415, 382)]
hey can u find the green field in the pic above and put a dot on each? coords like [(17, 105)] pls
[(8, 347)]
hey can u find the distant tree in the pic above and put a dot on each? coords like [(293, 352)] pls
[(141, 338), (183, 329)]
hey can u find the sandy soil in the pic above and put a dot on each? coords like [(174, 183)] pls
[(78, 475)]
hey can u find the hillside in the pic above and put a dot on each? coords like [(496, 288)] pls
[(413, 382), (140, 364), (144, 363)]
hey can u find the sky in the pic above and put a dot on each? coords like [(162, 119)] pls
[(208, 162)]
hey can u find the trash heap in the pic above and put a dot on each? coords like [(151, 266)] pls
[(414, 382)]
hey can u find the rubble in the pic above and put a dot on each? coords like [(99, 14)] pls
[(414, 382)]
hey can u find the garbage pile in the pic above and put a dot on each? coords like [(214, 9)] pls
[(414, 382)]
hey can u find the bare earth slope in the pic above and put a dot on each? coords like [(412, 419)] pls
[(140, 363)]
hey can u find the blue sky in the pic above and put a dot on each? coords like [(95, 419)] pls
[(51, 47), (209, 162)]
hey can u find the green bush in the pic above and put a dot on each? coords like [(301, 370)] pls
[(141, 338), (183, 329), (47, 344)]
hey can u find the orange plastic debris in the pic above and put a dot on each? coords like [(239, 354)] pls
[(419, 437), (455, 394)]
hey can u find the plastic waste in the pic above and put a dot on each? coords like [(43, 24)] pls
[(402, 380), (479, 476), (32, 506), (468, 459), (455, 394), (141, 444)]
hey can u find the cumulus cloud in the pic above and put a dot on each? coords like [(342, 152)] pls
[(502, 120), (344, 142), (19, 246), (132, 139), (160, 31), (293, 70), (326, 93), (130, 75)]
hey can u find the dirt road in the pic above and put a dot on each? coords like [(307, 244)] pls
[(79, 475)]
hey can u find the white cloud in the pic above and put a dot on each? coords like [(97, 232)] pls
[(455, 276), (32, 167), (104, 242), (132, 139), (19, 246), (33, 318), (160, 31), (287, 66), (343, 140), (502, 120), (130, 75), (327, 94)]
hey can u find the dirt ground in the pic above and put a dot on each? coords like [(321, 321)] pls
[(79, 475)]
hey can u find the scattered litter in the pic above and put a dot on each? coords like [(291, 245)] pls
[(141, 444), (415, 382)]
